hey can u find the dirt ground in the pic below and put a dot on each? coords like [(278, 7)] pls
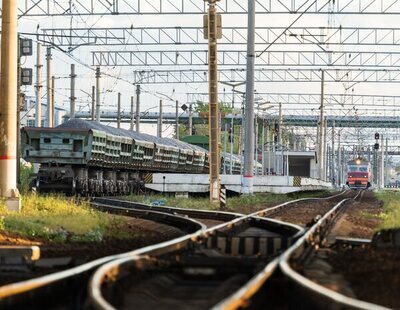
[(373, 274), (361, 218), (305, 213), (363, 272)]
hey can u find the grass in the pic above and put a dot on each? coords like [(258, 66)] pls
[(59, 219), (243, 204), (25, 172), (391, 206)]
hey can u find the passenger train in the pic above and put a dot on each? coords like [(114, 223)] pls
[(90, 158), (358, 174)]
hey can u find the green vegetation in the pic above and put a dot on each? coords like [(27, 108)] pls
[(391, 209), (59, 219), (242, 204), (25, 177)]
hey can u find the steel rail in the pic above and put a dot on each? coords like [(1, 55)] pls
[(113, 268), (245, 293), (193, 213), (10, 292), (18, 291), (242, 296), (318, 295)]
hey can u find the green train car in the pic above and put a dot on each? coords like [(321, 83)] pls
[(93, 159)]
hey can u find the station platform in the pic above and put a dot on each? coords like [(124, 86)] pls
[(199, 183)]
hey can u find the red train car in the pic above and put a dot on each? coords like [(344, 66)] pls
[(358, 174)]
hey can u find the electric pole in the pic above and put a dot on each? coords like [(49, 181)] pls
[(177, 119), (160, 121), (93, 103), (211, 23), (53, 87), (72, 97), (321, 140), (119, 111), (98, 76), (138, 107), (248, 173), (132, 113), (8, 106), (48, 85), (38, 86), (382, 165), (190, 119), (333, 157)]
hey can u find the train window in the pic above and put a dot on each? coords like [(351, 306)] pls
[(35, 144), (47, 140), (66, 141), (77, 146)]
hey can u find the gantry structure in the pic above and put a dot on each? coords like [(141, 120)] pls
[(356, 60)]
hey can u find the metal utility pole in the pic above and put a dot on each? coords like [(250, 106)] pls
[(225, 144), (93, 103), (119, 111), (263, 144), (177, 119), (38, 86), (132, 113), (280, 124), (339, 166), (48, 85), (333, 179), (72, 98), (269, 151), (326, 156), (248, 174), (98, 76), (53, 87), (212, 35), (190, 119), (375, 170), (256, 139), (8, 106), (386, 164), (160, 121), (321, 140), (138, 108), (382, 164)]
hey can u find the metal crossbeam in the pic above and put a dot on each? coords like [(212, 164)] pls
[(268, 75), (289, 120), (42, 8), (306, 100), (345, 36), (355, 59)]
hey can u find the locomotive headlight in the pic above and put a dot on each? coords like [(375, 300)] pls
[(358, 161)]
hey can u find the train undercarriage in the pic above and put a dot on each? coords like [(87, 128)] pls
[(87, 181)]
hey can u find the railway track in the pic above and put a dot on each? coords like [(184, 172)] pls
[(207, 217), (306, 212), (67, 288), (152, 278), (235, 256), (197, 274), (301, 291)]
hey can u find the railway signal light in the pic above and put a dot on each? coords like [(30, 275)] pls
[(26, 76), (25, 47), (376, 146), (377, 136)]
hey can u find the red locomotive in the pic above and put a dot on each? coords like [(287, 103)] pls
[(358, 174)]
